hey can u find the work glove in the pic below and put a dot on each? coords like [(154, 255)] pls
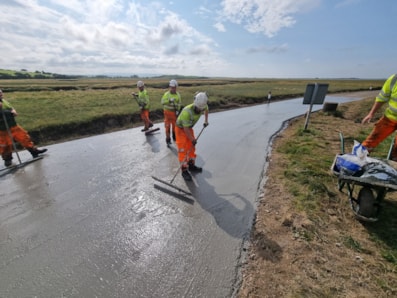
[(205, 124), (172, 100), (194, 142), (177, 113)]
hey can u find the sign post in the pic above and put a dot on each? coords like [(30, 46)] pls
[(315, 94)]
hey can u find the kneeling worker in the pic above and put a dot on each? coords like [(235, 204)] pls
[(185, 139)]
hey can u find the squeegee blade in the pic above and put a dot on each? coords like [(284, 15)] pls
[(171, 185)]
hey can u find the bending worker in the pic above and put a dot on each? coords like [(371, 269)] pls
[(17, 133), (171, 102), (143, 101), (387, 124), (185, 139)]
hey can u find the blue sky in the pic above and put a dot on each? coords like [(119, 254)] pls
[(228, 38)]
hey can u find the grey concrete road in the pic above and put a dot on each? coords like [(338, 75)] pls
[(88, 220)]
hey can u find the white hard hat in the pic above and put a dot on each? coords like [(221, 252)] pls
[(140, 84), (200, 100), (173, 83)]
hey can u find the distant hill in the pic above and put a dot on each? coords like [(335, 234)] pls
[(6, 74)]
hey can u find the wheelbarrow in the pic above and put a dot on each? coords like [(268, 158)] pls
[(368, 186)]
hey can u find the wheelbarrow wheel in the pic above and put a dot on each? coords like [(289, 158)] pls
[(367, 206)]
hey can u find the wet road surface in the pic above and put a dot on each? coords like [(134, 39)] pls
[(88, 220)]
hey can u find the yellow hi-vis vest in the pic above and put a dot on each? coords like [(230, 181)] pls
[(171, 102), (389, 94)]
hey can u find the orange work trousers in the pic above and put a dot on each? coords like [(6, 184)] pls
[(186, 150), (169, 122), (382, 129), (145, 118), (19, 135)]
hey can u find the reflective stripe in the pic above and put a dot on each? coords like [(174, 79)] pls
[(169, 107), (392, 83), (394, 110), (382, 96)]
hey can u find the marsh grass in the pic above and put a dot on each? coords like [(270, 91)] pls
[(56, 109)]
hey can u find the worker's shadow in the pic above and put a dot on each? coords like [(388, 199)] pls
[(173, 149), (153, 141), (232, 212)]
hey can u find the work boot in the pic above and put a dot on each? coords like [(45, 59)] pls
[(144, 129), (8, 162), (36, 151), (186, 175), (193, 167), (150, 124), (168, 141)]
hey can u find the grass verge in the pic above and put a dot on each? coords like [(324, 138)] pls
[(306, 241)]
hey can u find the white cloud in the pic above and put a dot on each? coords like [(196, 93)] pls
[(220, 27), (264, 16), (268, 49), (93, 36), (213, 38), (203, 11)]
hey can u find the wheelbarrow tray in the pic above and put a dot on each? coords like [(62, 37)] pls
[(366, 182)]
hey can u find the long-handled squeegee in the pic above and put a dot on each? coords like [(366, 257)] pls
[(179, 168)]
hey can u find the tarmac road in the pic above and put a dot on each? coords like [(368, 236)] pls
[(88, 220)]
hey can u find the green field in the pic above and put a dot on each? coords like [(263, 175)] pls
[(56, 109)]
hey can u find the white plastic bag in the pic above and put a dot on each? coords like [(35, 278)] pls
[(359, 150), (348, 164)]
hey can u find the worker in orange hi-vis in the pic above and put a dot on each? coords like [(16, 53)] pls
[(185, 138), (387, 124), (10, 129), (143, 101), (172, 103)]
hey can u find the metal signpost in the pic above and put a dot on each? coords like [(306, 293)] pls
[(315, 94)]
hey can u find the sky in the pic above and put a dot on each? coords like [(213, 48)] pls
[(225, 38)]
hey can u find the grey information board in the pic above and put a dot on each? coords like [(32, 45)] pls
[(315, 94)]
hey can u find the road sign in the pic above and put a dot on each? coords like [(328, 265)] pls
[(315, 94)]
